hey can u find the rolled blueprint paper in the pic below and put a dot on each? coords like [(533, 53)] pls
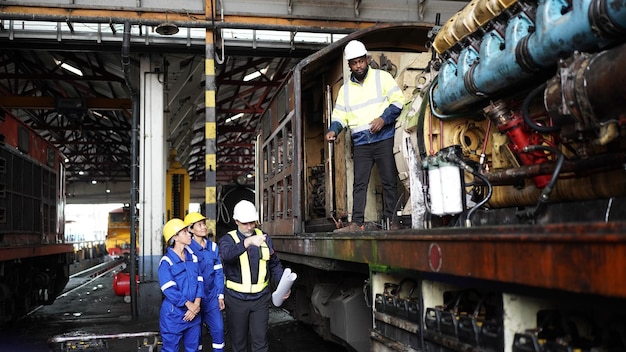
[(283, 287)]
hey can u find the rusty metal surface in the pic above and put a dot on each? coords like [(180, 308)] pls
[(11, 253), (589, 258)]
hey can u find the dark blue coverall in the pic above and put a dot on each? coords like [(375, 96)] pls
[(180, 282), (211, 270)]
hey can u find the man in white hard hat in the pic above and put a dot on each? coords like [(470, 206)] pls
[(249, 262), (368, 103)]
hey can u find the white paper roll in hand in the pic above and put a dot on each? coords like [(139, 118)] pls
[(283, 287)]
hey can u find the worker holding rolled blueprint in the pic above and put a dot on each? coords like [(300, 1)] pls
[(249, 262)]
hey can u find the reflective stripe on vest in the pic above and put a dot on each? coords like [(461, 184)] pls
[(372, 104), (246, 285)]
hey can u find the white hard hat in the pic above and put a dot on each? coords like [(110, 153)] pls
[(245, 212), (354, 49)]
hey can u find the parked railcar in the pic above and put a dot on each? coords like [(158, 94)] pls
[(511, 185), (34, 260), (118, 233)]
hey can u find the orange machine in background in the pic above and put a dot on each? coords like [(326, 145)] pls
[(118, 232)]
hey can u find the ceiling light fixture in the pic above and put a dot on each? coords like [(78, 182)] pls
[(167, 28), (68, 67), (255, 74), (234, 117)]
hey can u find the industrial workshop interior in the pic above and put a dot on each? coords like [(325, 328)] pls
[(455, 183)]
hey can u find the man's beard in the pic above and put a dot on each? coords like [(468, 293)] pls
[(360, 76), (248, 232)]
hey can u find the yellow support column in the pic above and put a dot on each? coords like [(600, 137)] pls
[(210, 137)]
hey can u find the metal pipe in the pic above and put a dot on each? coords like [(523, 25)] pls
[(126, 55), (258, 26), (134, 156), (547, 190), (134, 192), (330, 179), (589, 89), (526, 47), (126, 335), (180, 24), (604, 162)]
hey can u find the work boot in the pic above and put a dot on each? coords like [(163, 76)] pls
[(389, 224), (352, 227), (394, 226)]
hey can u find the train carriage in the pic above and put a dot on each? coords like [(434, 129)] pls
[(511, 186), (34, 259)]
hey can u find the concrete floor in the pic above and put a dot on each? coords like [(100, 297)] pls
[(96, 311)]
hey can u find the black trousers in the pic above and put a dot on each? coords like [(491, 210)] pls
[(364, 158), (248, 317)]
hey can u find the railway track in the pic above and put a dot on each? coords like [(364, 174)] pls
[(86, 277), (91, 274), (88, 316)]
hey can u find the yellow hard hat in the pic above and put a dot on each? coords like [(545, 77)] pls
[(172, 227), (193, 218)]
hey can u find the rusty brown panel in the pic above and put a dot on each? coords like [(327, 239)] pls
[(340, 179), (580, 258), (12, 253), (278, 226)]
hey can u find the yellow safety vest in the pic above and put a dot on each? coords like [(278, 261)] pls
[(358, 104), (246, 285)]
